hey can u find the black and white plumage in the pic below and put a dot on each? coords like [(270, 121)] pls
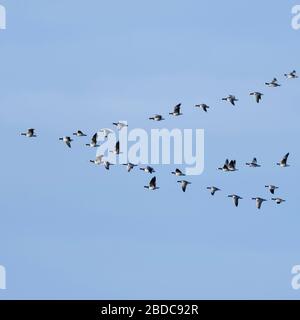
[(253, 163), (257, 95), (107, 164), (30, 133), (79, 133), (106, 132), (259, 201), (178, 173), (117, 148), (273, 84), (231, 98), (152, 184), (130, 166), (228, 166), (148, 169), (98, 160), (232, 165), (213, 190), (176, 111), (67, 140), (157, 117), (184, 184), (278, 200), (272, 188), (203, 106), (225, 167), (291, 75), (235, 199), (93, 143), (120, 125), (283, 163)]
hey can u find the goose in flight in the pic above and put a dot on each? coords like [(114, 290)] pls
[(291, 75), (106, 132), (117, 148), (67, 141), (107, 164), (178, 173), (271, 188), (203, 106), (29, 134), (98, 160), (152, 184), (184, 184), (130, 166), (176, 111), (231, 98), (257, 96), (120, 125), (213, 190), (259, 202), (273, 84), (148, 169), (93, 143), (235, 199), (283, 162), (225, 167), (278, 200), (229, 166), (79, 133), (157, 117), (253, 163), (232, 165)]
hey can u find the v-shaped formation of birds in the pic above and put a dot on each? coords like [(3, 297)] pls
[(229, 165)]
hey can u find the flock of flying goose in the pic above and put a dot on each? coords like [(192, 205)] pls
[(229, 165)]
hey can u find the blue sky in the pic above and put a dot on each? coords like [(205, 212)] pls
[(70, 230)]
